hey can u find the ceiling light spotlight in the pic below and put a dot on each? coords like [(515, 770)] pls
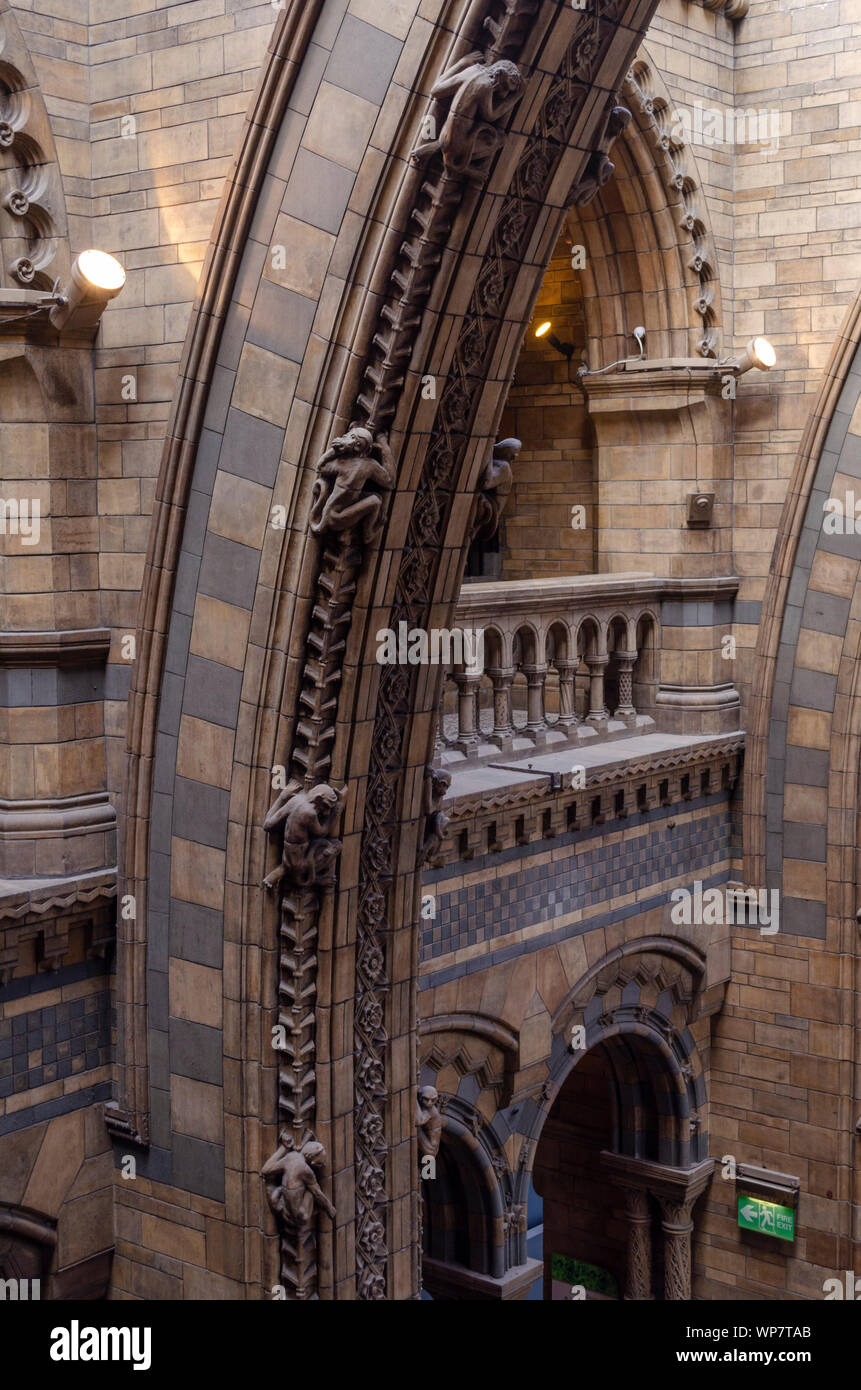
[(543, 331), (96, 278), (759, 353)]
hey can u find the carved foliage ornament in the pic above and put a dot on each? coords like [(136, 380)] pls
[(667, 132), (31, 192)]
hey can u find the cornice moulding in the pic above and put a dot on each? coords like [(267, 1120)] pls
[(33, 820), (28, 897), (76, 647)]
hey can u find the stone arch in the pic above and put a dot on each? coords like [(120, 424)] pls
[(409, 312), (651, 213), (471, 1221), (799, 539), (803, 779), (637, 1004)]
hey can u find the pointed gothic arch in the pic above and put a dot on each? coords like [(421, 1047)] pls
[(436, 281)]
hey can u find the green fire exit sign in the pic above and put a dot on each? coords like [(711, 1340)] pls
[(767, 1218)]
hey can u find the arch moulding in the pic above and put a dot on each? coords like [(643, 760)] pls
[(437, 282)]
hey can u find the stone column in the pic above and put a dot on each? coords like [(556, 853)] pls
[(677, 1226), (439, 742), (503, 724), (626, 711), (638, 1274), (568, 717), (467, 683), (536, 725), (597, 715)]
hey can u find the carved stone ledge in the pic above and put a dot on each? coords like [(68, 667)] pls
[(125, 1127), (78, 647), (659, 384), (683, 1185), (24, 899), (454, 1282)]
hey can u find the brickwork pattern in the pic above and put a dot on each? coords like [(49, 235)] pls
[(537, 884)]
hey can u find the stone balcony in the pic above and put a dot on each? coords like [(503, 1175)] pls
[(591, 697)]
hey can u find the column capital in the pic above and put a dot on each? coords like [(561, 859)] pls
[(679, 1185)]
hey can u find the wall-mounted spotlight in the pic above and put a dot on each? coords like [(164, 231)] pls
[(96, 278), (543, 331), (759, 353)]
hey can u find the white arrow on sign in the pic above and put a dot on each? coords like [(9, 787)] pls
[(749, 1213)]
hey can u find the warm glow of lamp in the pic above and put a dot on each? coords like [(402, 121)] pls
[(759, 353), (102, 271), (543, 328), (96, 278)]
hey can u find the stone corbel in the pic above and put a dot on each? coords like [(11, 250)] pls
[(454, 1282), (652, 385), (732, 9)]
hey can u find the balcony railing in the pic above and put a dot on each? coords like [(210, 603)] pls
[(564, 662)]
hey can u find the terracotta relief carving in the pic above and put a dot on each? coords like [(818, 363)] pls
[(304, 821), (437, 783), (480, 93), (601, 168), (428, 1121), (494, 485), (295, 1196), (668, 135), (413, 278), (347, 473), (31, 187)]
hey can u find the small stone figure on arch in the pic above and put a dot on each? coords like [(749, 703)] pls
[(308, 851), (494, 485), (344, 497), (480, 93)]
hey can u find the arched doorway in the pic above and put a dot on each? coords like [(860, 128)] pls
[(582, 1233)]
